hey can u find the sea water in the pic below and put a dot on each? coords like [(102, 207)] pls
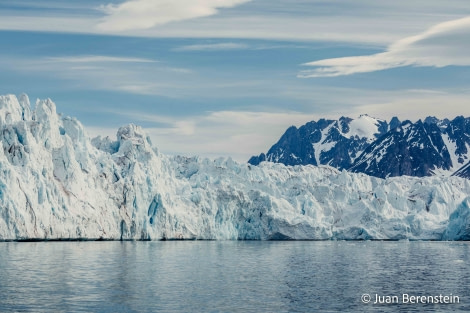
[(234, 276)]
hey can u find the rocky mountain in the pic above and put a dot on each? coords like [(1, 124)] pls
[(58, 184), (327, 142), (432, 147), (412, 149), (456, 136)]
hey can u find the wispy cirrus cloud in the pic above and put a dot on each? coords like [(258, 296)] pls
[(98, 59), (239, 134), (145, 14), (441, 45), (262, 19), (213, 47), (228, 46), (133, 75)]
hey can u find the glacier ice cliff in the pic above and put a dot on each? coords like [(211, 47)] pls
[(56, 183)]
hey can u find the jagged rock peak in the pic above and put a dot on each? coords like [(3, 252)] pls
[(330, 142)]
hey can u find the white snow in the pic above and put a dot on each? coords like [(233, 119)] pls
[(452, 147), (363, 126), (56, 183), (322, 145)]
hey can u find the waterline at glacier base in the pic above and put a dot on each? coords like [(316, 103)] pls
[(58, 184)]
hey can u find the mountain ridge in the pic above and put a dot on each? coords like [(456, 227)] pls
[(421, 148)]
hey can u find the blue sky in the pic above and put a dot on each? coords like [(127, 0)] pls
[(227, 77)]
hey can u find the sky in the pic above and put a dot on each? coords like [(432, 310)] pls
[(227, 77)]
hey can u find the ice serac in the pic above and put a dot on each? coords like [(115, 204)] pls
[(459, 223), (56, 183)]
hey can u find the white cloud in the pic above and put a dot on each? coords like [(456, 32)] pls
[(98, 59), (213, 47), (65, 23), (224, 46), (239, 134), (441, 45), (362, 21), (145, 14), (101, 72), (355, 29), (242, 134), (416, 104)]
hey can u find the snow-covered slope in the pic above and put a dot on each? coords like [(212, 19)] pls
[(56, 183)]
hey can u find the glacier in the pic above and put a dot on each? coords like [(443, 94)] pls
[(58, 184)]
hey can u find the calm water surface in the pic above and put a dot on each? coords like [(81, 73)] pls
[(230, 276)]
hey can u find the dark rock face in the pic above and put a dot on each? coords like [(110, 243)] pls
[(458, 131), (464, 171), (291, 148), (410, 149), (323, 142), (376, 147), (394, 123)]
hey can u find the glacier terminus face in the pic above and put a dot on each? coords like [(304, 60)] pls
[(58, 184)]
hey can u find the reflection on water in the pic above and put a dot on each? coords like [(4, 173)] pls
[(229, 276)]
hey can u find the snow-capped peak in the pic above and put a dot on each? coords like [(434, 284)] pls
[(364, 126)]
